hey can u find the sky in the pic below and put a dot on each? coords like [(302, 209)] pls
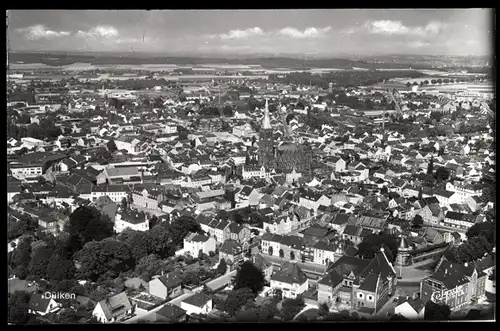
[(319, 32)]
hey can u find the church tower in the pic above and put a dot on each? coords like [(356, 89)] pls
[(266, 140)]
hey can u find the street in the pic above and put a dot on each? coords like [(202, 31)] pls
[(306, 308)]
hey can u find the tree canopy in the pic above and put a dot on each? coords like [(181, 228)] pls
[(18, 308), (251, 277), (372, 243), (436, 312), (86, 224), (107, 258)]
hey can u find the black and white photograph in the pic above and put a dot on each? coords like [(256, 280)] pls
[(251, 166)]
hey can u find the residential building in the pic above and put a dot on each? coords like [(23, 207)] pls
[(290, 279), (113, 309), (198, 303), (194, 243)]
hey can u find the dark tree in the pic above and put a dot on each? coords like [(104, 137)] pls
[(60, 268), (484, 229), (323, 309), (21, 258), (222, 267), (282, 253), (250, 276), (111, 146), (154, 221), (417, 222), (39, 262), (439, 81), (408, 84), (25, 226), (139, 243), (107, 258), (181, 227), (372, 243), (18, 308), (292, 255), (87, 224), (436, 312), (237, 299), (442, 174), (124, 204)]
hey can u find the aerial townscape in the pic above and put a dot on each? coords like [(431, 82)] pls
[(240, 186)]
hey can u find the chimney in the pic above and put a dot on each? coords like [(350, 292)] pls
[(407, 297), (466, 264), (415, 296)]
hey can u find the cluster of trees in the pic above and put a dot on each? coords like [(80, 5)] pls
[(210, 111), (45, 130), (26, 225), (481, 239), (343, 78), (354, 103), (45, 258), (441, 81), (244, 215), (372, 243), (248, 283)]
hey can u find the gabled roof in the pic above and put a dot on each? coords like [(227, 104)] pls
[(115, 305), (370, 282), (230, 247), (452, 274), (416, 304), (38, 303), (198, 300), (261, 262), (379, 265), (171, 280), (171, 312), (342, 268), (290, 273)]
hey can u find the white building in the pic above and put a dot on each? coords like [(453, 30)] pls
[(132, 220), (194, 243), (198, 303), (290, 279)]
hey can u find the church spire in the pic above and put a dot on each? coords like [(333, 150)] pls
[(266, 123)]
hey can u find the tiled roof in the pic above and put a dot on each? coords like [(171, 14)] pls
[(198, 300), (290, 273), (370, 282), (115, 305)]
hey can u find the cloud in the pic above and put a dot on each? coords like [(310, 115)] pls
[(307, 33), (39, 31), (241, 34), (102, 31), (388, 27), (418, 44)]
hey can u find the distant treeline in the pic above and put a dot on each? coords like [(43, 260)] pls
[(265, 62), (343, 78)]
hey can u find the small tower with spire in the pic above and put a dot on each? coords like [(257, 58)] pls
[(403, 257)]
